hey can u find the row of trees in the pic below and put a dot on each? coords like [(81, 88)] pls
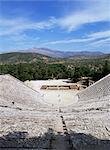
[(35, 71), (41, 71)]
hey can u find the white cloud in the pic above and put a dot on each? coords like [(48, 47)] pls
[(69, 41), (90, 38), (102, 34), (94, 12), (101, 42), (22, 38), (8, 27)]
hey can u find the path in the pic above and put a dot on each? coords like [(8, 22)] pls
[(60, 142), (62, 139)]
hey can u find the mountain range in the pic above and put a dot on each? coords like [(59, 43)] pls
[(61, 54), (49, 57)]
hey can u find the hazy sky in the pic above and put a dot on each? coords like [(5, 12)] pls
[(67, 25)]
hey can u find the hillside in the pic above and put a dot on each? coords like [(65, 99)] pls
[(31, 57), (33, 66), (17, 57), (88, 60)]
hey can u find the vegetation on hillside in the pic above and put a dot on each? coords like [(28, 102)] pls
[(33, 66), (17, 57)]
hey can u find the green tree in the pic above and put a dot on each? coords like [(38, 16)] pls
[(105, 69)]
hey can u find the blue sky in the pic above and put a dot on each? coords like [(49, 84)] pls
[(66, 25)]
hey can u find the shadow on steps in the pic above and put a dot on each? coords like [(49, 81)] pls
[(81, 141)]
